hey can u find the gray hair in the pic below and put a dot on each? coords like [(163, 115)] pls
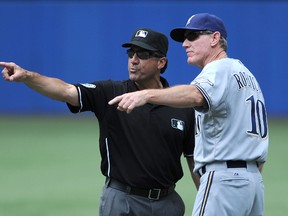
[(223, 43)]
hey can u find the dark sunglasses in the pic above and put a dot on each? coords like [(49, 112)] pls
[(194, 35), (143, 54)]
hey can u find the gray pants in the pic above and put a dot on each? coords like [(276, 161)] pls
[(230, 191), (115, 203)]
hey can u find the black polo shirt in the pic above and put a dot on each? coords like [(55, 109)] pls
[(143, 148)]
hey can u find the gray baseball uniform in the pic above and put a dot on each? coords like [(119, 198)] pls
[(231, 140)]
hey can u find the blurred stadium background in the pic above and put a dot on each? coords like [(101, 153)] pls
[(49, 159)]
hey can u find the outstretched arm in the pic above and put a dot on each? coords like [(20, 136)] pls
[(51, 87), (179, 96)]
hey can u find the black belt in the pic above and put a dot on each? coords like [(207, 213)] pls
[(230, 164), (152, 194)]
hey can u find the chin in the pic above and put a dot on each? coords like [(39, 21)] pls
[(189, 61), (132, 78)]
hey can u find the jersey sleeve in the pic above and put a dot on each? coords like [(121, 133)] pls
[(93, 97), (212, 83)]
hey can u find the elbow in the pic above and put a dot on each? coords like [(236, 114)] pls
[(71, 96), (198, 100)]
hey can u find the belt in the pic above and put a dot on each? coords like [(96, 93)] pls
[(152, 194), (228, 164)]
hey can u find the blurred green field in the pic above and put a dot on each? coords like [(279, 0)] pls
[(50, 166)]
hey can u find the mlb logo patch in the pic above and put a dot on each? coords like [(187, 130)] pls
[(177, 124), (141, 33)]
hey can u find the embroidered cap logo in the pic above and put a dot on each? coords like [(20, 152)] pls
[(189, 20), (141, 33)]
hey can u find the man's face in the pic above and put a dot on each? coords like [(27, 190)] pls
[(197, 45), (143, 66)]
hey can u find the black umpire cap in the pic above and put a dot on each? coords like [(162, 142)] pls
[(149, 39)]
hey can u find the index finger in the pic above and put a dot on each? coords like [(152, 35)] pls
[(3, 63), (6, 64), (115, 100)]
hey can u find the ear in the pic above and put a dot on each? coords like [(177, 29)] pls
[(161, 63), (215, 38)]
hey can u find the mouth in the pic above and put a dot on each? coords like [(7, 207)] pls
[(189, 53), (133, 70)]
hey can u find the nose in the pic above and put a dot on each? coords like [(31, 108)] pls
[(134, 58), (185, 43)]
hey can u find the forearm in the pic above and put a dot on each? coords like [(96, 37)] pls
[(178, 96), (260, 167), (196, 180), (51, 87), (195, 176)]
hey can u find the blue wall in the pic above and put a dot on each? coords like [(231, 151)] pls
[(80, 41)]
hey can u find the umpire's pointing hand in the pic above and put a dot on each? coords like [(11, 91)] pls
[(12, 72)]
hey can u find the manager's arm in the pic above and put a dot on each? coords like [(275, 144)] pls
[(51, 87), (178, 96)]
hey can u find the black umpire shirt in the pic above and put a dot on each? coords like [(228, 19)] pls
[(142, 149)]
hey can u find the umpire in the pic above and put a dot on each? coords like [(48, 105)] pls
[(141, 152)]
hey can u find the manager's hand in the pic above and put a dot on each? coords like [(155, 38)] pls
[(127, 102)]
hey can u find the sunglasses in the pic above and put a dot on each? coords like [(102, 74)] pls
[(194, 35), (143, 54)]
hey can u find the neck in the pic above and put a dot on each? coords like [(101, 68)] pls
[(147, 85), (219, 55)]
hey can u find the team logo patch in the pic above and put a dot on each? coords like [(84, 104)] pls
[(189, 20), (177, 124), (88, 85), (141, 33), (202, 80)]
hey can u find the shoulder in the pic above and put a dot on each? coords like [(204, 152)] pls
[(221, 63), (220, 68), (105, 83)]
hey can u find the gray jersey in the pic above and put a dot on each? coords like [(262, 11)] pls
[(234, 126)]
